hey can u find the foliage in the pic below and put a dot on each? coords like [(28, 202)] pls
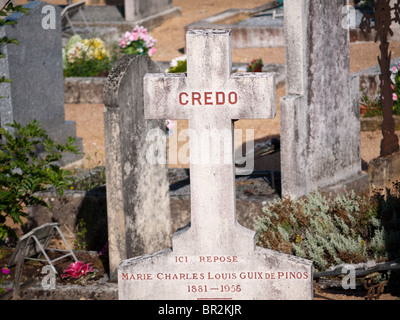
[(255, 66), (363, 3), (178, 65), (23, 172), (137, 42), (88, 179), (86, 57), (8, 9), (80, 241), (373, 105), (346, 229)]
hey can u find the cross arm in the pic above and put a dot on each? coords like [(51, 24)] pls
[(244, 95), (160, 96), (256, 95)]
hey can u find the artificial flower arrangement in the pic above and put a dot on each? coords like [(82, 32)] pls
[(85, 57), (77, 270), (137, 42), (255, 66), (373, 106)]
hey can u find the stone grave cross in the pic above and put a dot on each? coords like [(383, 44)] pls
[(210, 97), (214, 258)]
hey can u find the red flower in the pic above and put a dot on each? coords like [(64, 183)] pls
[(77, 269)]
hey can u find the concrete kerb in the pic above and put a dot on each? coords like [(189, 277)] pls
[(111, 18), (101, 290)]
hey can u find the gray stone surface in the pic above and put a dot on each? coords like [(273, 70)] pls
[(102, 290), (395, 26), (214, 257), (384, 173), (250, 32), (84, 89), (136, 10), (320, 114), (137, 193), (35, 68)]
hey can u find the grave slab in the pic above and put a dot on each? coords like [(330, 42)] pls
[(214, 257)]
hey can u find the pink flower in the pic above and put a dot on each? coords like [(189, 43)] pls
[(394, 97), (133, 37), (170, 124), (122, 43), (394, 70), (152, 51), (5, 270), (77, 269)]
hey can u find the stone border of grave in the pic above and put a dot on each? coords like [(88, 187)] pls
[(248, 36), (243, 36), (101, 290), (80, 90), (375, 123), (110, 17)]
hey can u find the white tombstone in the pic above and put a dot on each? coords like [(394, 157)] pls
[(214, 258)]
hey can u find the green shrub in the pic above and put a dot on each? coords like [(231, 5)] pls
[(23, 172), (346, 229), (178, 65)]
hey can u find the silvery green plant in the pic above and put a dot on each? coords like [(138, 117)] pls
[(345, 229)]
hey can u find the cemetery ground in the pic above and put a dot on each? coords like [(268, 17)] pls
[(170, 36)]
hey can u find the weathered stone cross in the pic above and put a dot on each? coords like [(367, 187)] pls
[(215, 258), (210, 97)]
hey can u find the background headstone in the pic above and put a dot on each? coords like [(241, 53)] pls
[(137, 10), (214, 258), (36, 70), (138, 210), (320, 114)]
